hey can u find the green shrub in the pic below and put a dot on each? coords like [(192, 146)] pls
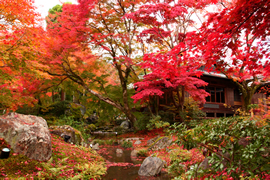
[(26, 109), (127, 144), (109, 142), (156, 123), (99, 141), (248, 145), (119, 130), (191, 111), (75, 112), (167, 116), (177, 156), (143, 152), (68, 120), (57, 109), (89, 128), (142, 120)]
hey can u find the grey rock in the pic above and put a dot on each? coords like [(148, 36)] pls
[(96, 146), (133, 139), (205, 164), (151, 166), (75, 135), (138, 142), (125, 125), (151, 141), (134, 153), (161, 143), (28, 135), (119, 151)]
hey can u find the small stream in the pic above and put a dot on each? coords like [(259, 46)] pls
[(129, 167)]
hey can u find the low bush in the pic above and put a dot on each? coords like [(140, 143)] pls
[(247, 146), (56, 109), (143, 152), (178, 156), (127, 144)]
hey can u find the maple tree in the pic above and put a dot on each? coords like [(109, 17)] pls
[(234, 40), (170, 23), (52, 21), (18, 42), (115, 36), (101, 26)]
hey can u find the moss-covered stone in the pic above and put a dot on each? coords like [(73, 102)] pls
[(160, 143), (75, 135)]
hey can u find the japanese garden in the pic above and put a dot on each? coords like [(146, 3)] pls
[(135, 89)]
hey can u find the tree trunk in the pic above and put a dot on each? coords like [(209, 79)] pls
[(247, 96), (53, 96), (63, 95)]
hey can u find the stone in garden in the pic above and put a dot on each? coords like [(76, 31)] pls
[(95, 147), (134, 153), (151, 166), (28, 135), (75, 135), (92, 119), (151, 141), (119, 151), (133, 139), (161, 143), (137, 142), (125, 125), (205, 164)]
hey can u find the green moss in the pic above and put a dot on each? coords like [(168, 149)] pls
[(78, 137), (67, 162), (16, 165)]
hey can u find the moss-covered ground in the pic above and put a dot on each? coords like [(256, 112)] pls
[(67, 162)]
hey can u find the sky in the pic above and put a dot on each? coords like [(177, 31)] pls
[(43, 6)]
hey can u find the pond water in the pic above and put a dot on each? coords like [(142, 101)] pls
[(123, 173), (130, 169)]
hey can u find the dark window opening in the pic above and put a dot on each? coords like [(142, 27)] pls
[(237, 95), (220, 114), (217, 95), (229, 115), (210, 114)]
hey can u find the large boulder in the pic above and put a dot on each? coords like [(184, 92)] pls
[(28, 135), (151, 166), (66, 130)]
